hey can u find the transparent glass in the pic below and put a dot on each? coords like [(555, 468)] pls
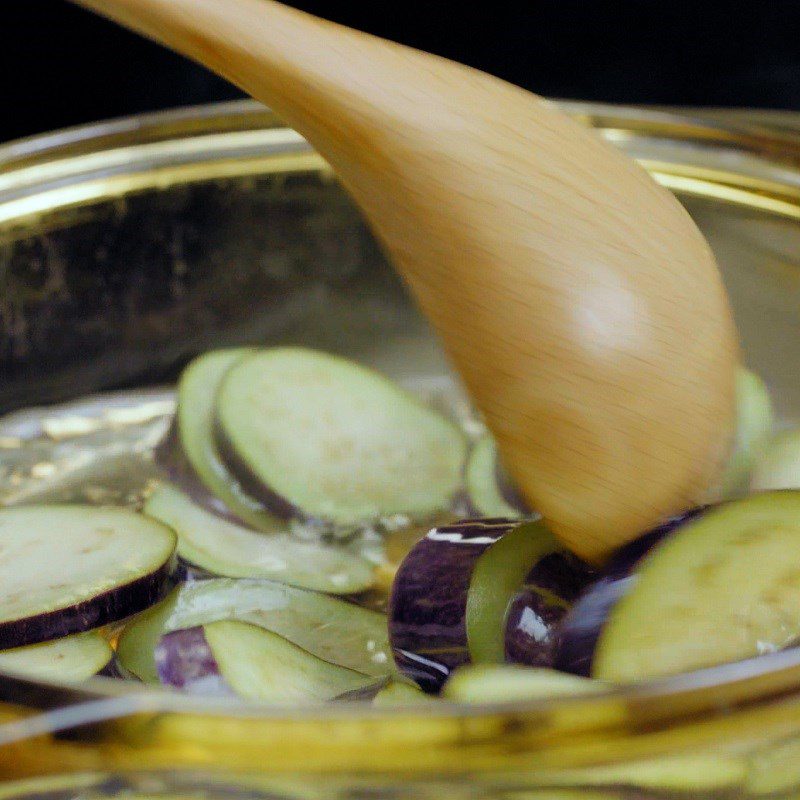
[(128, 247)]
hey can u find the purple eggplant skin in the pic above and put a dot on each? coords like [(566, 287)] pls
[(427, 627), (580, 629), (563, 574), (535, 612), (110, 606), (169, 457), (251, 483), (184, 661)]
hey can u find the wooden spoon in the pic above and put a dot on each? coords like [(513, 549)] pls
[(580, 304)]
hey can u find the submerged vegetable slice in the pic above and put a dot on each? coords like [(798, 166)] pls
[(579, 631), (315, 435), (451, 593), (65, 569), (489, 491), (723, 587), (230, 657), (497, 577), (497, 683), (332, 629), (71, 659), (260, 665), (224, 548), (535, 612), (197, 390)]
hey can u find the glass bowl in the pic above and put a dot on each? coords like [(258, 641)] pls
[(129, 246)]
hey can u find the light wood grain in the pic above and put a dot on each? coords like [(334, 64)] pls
[(577, 299)]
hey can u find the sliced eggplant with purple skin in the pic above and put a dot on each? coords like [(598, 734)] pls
[(71, 659), (536, 610), (224, 548), (316, 436), (229, 656), (451, 593), (579, 630), (489, 489), (328, 627), (66, 569), (189, 454), (721, 587), (169, 457)]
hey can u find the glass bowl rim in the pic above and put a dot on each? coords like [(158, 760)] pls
[(769, 142)]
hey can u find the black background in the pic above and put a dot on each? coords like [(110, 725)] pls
[(61, 66)]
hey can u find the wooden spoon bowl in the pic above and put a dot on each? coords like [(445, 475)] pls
[(578, 301)]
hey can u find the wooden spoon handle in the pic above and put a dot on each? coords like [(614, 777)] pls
[(577, 299)]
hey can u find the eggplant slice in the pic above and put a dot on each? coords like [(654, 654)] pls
[(507, 683), (236, 658), (65, 569), (71, 659), (721, 588), (315, 436), (579, 631), (222, 547), (262, 666), (197, 391), (329, 628), (451, 593), (535, 613)]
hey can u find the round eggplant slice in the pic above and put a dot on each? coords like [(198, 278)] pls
[(451, 593), (499, 683), (65, 569), (222, 547), (720, 588), (316, 436), (489, 489), (579, 630), (69, 660), (192, 456), (260, 665), (231, 657), (535, 612), (329, 628)]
